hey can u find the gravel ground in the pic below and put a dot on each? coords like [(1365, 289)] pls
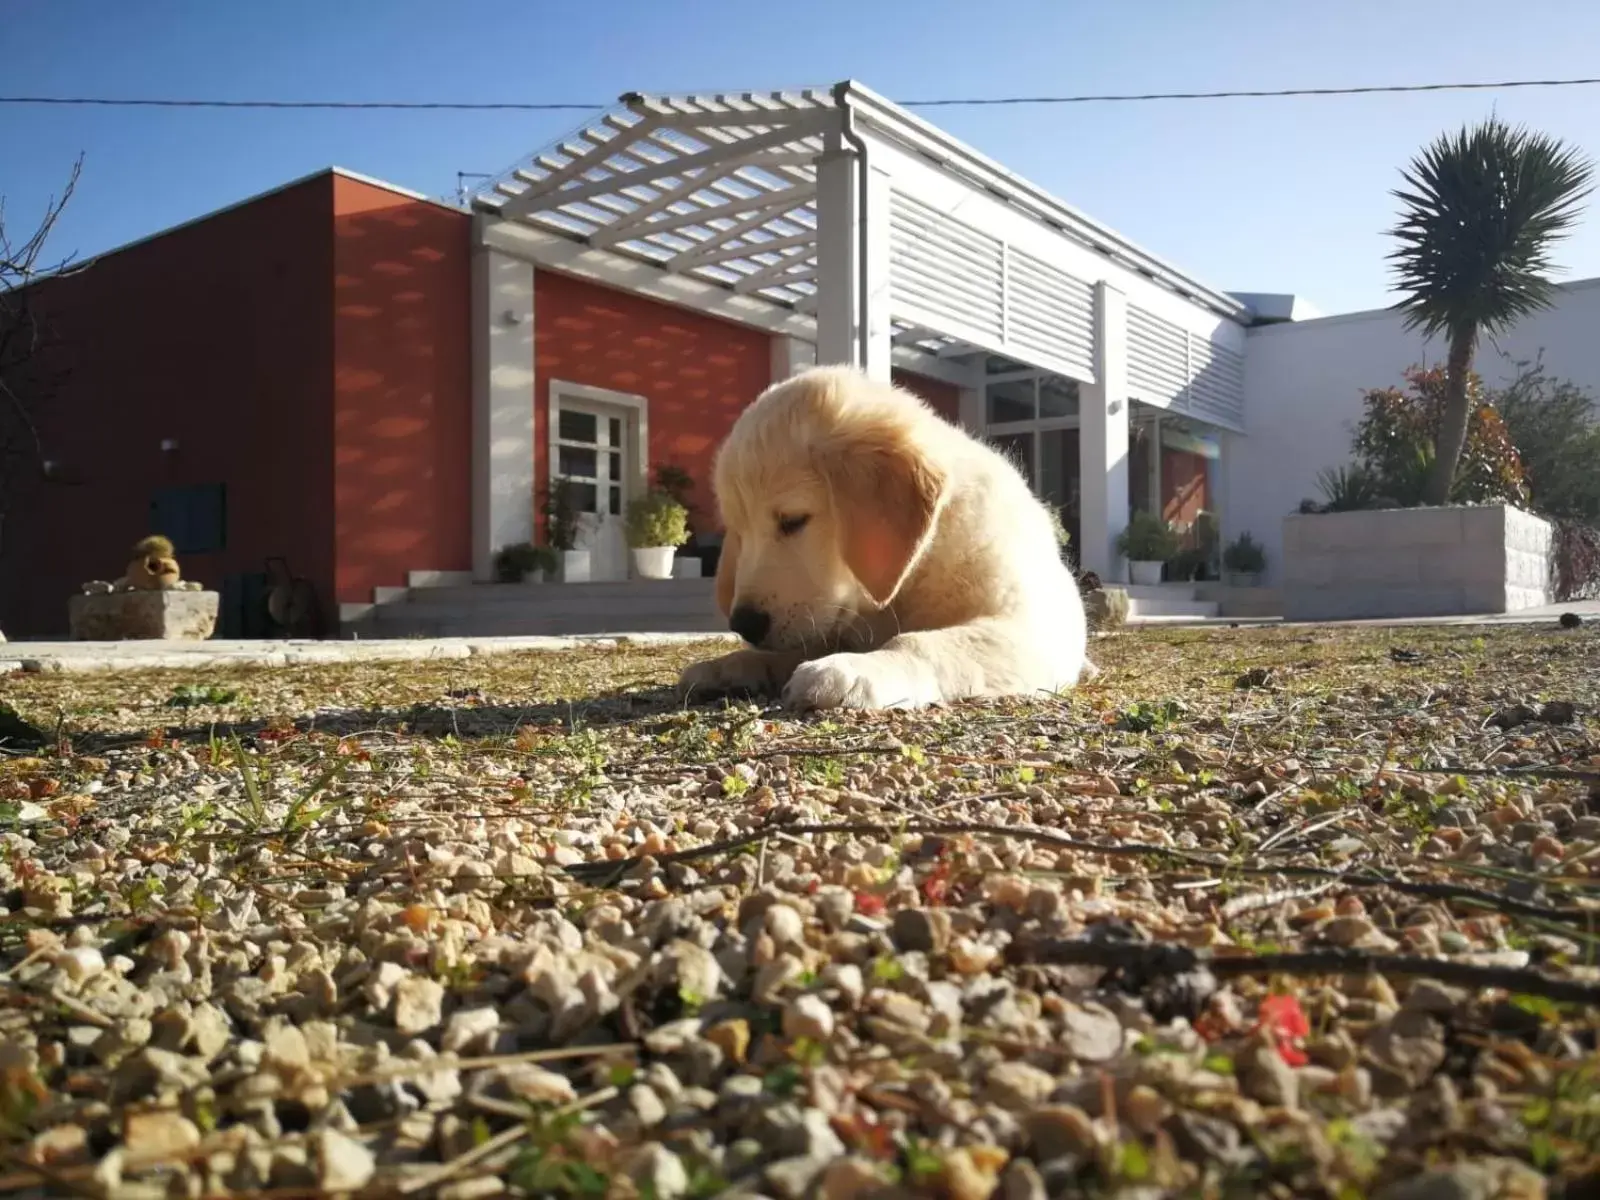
[(1286, 913)]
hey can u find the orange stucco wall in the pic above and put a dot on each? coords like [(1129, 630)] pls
[(402, 379), (697, 372), (217, 335)]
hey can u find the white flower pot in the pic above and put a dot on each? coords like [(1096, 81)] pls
[(533, 577), (1145, 573), (690, 566), (574, 566), (653, 562)]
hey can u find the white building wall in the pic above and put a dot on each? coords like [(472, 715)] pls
[(1303, 384)]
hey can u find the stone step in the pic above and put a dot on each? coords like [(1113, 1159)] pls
[(1145, 609), (638, 590), (476, 625)]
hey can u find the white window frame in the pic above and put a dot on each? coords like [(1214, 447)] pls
[(637, 431), (1037, 425)]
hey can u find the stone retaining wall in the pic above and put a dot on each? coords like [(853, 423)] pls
[(1415, 562)]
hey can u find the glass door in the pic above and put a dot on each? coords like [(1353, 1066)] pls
[(591, 449)]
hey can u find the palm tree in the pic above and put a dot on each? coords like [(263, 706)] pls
[(1481, 209)]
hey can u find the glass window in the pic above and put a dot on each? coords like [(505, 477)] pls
[(615, 428), (193, 517), (616, 502), (584, 497), (1058, 467), (616, 464), (1058, 398), (1018, 447), (1011, 401), (579, 426), (578, 463)]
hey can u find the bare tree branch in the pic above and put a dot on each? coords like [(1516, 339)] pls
[(28, 377)]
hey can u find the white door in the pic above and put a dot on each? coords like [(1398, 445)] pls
[(592, 453)]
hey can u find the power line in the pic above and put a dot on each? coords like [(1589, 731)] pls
[(954, 102), (1374, 89)]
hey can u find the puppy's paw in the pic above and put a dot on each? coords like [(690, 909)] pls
[(741, 671), (855, 681)]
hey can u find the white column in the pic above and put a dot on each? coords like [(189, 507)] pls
[(502, 405), (790, 356), (1103, 438), (971, 408), (1154, 481), (841, 265)]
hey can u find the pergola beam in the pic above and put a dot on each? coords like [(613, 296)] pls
[(749, 213), (717, 157), (797, 268)]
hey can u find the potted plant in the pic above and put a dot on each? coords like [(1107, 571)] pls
[(676, 482), (560, 512), (523, 562), (1147, 543), (657, 526), (1244, 560)]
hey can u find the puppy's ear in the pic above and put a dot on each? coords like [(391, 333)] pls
[(727, 570), (887, 494)]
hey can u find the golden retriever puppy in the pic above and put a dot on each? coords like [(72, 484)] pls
[(876, 556)]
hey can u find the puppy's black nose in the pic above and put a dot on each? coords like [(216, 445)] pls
[(750, 623)]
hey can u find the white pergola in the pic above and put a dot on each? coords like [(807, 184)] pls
[(861, 234)]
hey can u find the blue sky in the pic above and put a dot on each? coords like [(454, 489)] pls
[(1267, 195)]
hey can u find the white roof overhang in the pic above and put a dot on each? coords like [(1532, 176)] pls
[(722, 189)]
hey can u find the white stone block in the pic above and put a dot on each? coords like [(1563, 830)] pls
[(1414, 563)]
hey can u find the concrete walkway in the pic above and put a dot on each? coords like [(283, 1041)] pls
[(150, 655), (1548, 614), (155, 655)]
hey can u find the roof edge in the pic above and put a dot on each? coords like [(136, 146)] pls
[(1389, 311), (888, 114), (331, 172)]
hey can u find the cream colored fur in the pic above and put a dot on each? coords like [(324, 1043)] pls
[(924, 571)]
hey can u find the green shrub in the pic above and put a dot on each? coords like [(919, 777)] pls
[(1245, 555), (656, 519), (1397, 438), (1350, 489), (514, 563), (560, 512), (1555, 426), (1148, 539)]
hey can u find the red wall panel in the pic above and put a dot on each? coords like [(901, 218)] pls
[(216, 334), (402, 380), (697, 372)]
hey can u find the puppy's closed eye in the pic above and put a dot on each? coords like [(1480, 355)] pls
[(791, 525)]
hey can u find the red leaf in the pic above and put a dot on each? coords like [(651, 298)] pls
[(869, 904), (1283, 1015), (1292, 1055)]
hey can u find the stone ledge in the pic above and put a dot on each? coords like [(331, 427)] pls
[(166, 615), (90, 657), (1461, 560)]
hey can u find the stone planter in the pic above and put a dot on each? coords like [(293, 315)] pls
[(1144, 573), (1106, 608), (653, 562), (575, 566), (688, 566), (1414, 562), (1244, 579), (125, 616)]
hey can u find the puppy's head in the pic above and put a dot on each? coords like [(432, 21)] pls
[(829, 496)]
